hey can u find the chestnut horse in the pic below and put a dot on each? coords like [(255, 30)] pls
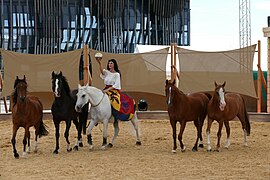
[(26, 112), (224, 107), (183, 108)]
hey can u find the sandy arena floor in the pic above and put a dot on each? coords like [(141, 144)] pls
[(152, 160)]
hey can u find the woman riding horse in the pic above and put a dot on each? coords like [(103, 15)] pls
[(123, 106)]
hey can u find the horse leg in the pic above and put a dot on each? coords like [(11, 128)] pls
[(83, 119), (89, 136), (245, 138), (173, 125), (68, 124), (219, 135), (35, 146), (28, 140), (243, 123), (105, 128), (228, 131), (135, 123), (57, 135), (197, 124), (26, 137), (180, 136), (116, 131), (79, 130), (209, 124), (13, 141), (37, 127), (201, 122)]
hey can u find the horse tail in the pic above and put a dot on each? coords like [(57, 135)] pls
[(246, 118), (247, 123), (42, 131), (135, 125)]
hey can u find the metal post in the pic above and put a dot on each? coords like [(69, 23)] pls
[(259, 80), (266, 32)]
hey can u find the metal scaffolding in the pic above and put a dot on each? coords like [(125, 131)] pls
[(53, 26), (244, 34)]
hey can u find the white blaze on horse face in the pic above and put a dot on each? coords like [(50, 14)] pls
[(169, 95), (222, 102), (55, 88)]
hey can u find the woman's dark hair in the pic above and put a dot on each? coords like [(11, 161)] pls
[(115, 65)]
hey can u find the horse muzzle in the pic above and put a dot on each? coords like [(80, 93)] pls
[(222, 106), (78, 108), (22, 99)]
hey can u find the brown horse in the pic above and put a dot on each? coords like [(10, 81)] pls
[(183, 108), (26, 112), (224, 107)]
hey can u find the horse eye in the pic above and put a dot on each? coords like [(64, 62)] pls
[(83, 96)]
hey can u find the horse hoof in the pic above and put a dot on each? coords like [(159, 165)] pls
[(91, 147), (103, 147), (55, 152), (24, 155), (209, 150), (184, 149), (81, 144), (110, 145), (217, 149), (76, 148), (16, 155), (138, 143), (174, 151), (69, 150), (194, 149), (201, 145)]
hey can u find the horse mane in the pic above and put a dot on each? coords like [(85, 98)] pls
[(14, 93), (65, 85), (178, 91)]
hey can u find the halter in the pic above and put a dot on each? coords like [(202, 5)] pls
[(99, 101)]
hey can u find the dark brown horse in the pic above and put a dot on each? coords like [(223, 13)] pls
[(26, 112), (224, 107), (183, 108)]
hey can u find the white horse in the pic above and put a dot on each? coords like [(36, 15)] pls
[(100, 111)]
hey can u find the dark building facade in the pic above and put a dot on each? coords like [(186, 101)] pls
[(116, 26)]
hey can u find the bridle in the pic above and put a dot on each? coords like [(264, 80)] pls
[(98, 102)]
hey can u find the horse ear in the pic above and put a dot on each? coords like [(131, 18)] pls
[(53, 74), (24, 77), (224, 84), (216, 84), (17, 77), (60, 73), (167, 81), (79, 86), (174, 82)]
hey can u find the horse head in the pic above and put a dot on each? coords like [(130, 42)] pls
[(59, 84), (169, 88), (220, 92), (82, 97), (20, 86)]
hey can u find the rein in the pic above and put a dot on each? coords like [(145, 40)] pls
[(99, 101)]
